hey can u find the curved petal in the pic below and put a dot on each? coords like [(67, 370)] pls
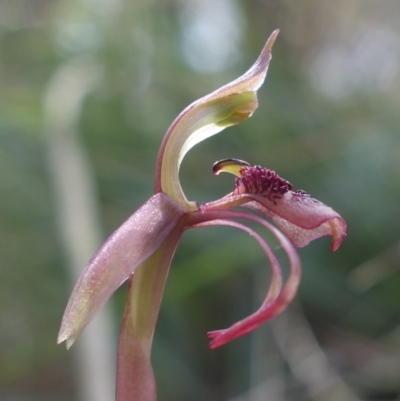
[(301, 217), (135, 378), (276, 276), (229, 105), (117, 259), (271, 306)]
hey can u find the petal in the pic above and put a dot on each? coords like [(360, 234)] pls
[(276, 273), (273, 305), (229, 105), (301, 217), (117, 259), (135, 378)]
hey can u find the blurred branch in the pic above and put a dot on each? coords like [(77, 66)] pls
[(77, 214), (265, 391), (267, 370), (265, 358), (375, 270), (306, 359)]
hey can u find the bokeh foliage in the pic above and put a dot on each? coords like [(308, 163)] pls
[(328, 121)]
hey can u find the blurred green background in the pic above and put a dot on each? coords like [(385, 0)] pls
[(87, 90)]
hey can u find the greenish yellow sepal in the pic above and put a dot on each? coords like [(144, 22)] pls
[(200, 122), (232, 166)]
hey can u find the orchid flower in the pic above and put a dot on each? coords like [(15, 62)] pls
[(141, 249)]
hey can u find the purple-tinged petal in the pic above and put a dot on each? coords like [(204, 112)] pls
[(117, 259), (229, 105), (301, 217), (135, 378), (271, 306), (276, 272)]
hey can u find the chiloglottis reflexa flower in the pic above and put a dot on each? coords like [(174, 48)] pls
[(141, 250)]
